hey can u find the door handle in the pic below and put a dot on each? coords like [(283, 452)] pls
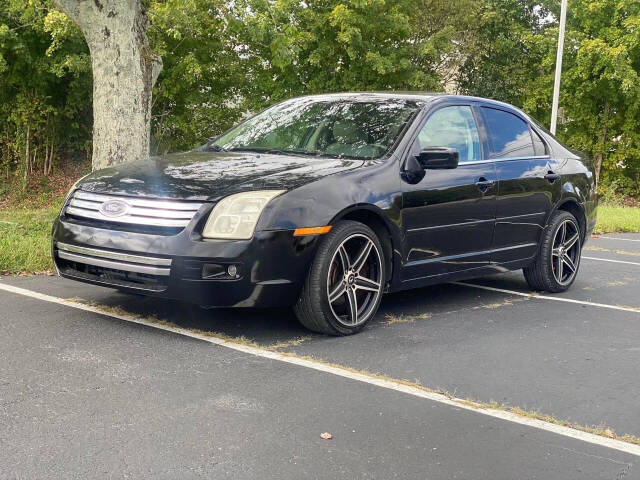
[(551, 176), (483, 184)]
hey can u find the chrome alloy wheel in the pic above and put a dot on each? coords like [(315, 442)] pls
[(354, 282), (565, 256)]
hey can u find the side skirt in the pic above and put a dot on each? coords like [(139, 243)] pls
[(491, 269)]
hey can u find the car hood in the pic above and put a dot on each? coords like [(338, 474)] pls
[(198, 175)]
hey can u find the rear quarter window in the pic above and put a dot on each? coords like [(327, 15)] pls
[(538, 145), (509, 135)]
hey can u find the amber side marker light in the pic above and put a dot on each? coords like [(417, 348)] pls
[(301, 232)]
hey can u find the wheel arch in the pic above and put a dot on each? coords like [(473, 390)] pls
[(375, 219), (574, 207)]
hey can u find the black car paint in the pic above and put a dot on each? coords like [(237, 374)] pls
[(482, 217), (209, 176)]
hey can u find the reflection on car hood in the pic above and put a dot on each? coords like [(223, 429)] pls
[(199, 175)]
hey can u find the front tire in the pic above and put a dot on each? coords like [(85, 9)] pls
[(344, 287), (556, 265)]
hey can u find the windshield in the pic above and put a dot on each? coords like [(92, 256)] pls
[(340, 128)]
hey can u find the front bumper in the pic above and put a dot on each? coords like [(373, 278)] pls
[(271, 267)]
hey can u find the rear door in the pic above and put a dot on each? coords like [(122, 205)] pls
[(528, 183), (448, 216)]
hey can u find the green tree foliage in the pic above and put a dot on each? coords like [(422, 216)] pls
[(320, 46), (200, 91), (504, 49), (224, 60), (44, 87), (601, 89)]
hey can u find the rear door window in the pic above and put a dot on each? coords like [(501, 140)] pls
[(509, 135)]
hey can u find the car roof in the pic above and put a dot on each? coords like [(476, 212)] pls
[(416, 96), (369, 95)]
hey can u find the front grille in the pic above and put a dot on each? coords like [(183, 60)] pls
[(113, 268), (140, 215)]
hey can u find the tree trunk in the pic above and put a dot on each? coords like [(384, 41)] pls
[(51, 157), (48, 158), (603, 141), (27, 155), (34, 163), (124, 72)]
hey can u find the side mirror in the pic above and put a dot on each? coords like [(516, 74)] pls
[(437, 158)]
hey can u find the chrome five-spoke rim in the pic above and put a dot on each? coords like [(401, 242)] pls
[(565, 255), (354, 283)]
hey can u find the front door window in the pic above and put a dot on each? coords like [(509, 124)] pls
[(453, 127)]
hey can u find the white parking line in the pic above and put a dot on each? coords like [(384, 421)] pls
[(621, 239), (350, 374), (610, 260), (547, 297)]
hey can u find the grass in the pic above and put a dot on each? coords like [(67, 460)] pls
[(25, 238), (26, 215), (613, 219), (294, 342), (392, 319)]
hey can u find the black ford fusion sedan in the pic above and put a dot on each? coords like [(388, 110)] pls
[(327, 202)]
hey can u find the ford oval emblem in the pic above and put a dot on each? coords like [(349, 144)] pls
[(114, 208)]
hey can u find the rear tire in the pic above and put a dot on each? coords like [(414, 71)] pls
[(344, 287), (556, 266)]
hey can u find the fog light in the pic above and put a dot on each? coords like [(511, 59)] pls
[(232, 270), (212, 270)]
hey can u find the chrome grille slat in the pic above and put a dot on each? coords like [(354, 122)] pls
[(110, 254), (138, 202), (156, 222), (98, 262), (114, 260), (135, 211), (145, 212), (148, 212), (84, 204)]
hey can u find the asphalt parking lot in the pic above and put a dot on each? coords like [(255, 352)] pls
[(87, 395)]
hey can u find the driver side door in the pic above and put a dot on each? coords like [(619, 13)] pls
[(449, 215)]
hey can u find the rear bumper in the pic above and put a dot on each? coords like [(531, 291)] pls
[(271, 267)]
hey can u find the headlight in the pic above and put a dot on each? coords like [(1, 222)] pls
[(235, 217)]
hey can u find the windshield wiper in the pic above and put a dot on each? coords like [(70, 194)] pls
[(274, 151), (260, 150), (212, 147), (304, 153)]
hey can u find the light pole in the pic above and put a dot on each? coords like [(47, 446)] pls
[(556, 83)]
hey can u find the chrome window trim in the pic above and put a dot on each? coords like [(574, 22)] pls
[(506, 159), (530, 157), (107, 254)]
